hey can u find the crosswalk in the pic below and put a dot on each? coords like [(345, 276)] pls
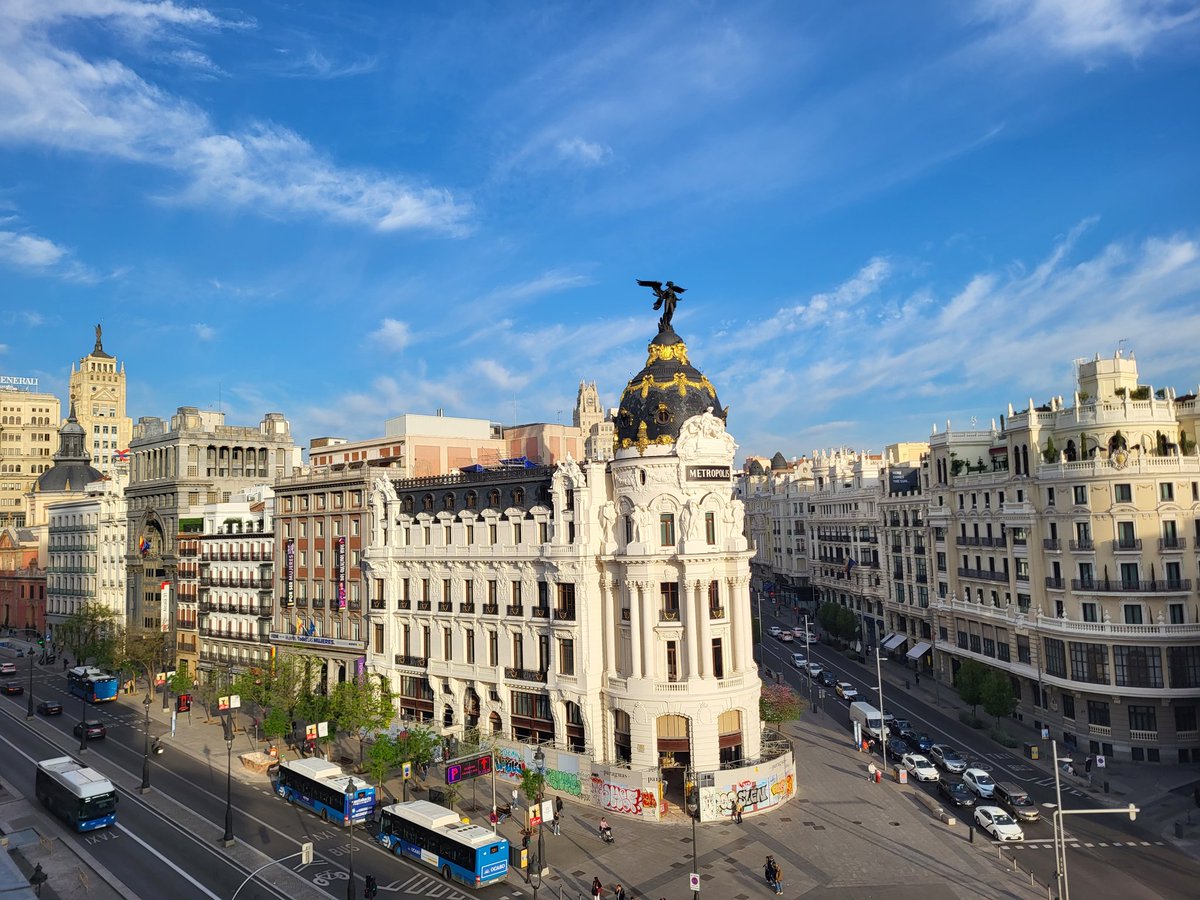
[(1078, 845)]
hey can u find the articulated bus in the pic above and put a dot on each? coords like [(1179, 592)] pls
[(433, 835), (321, 787), (92, 685), (81, 797)]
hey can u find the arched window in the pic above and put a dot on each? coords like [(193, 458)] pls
[(427, 503), (448, 501), (408, 505), (494, 498), (518, 496), (472, 500)]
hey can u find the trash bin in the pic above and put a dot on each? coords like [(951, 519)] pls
[(901, 775), (1031, 751)]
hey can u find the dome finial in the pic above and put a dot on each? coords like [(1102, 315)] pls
[(664, 294)]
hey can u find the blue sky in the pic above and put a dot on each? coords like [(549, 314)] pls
[(886, 214)]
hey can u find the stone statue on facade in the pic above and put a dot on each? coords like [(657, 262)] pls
[(100, 346), (665, 298)]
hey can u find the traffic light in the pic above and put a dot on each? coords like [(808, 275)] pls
[(41, 642), (371, 888)]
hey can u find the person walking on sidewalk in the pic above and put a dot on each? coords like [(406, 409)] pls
[(737, 812), (769, 868), (597, 887), (619, 892), (778, 879), (558, 808)]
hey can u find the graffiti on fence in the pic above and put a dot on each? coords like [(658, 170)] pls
[(564, 782), (763, 790), (510, 763)]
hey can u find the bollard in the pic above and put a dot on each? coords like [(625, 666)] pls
[(1106, 787), (906, 685), (970, 834)]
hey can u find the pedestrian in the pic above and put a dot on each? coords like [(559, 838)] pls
[(778, 879), (918, 679), (619, 892), (516, 798), (871, 770), (558, 811), (597, 887), (737, 812), (769, 868)]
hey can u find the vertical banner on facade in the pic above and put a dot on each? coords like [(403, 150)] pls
[(164, 609), (360, 669), (340, 571), (289, 573)]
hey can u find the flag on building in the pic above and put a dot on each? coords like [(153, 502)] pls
[(122, 455), (850, 564), (143, 545)]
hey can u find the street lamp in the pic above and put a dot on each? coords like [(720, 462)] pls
[(29, 711), (351, 790), (883, 729), (539, 763), (146, 748), (166, 688), (227, 838)]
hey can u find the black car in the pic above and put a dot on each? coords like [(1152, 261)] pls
[(918, 740), (828, 679), (95, 729), (955, 792), (896, 749), (50, 708), (13, 688)]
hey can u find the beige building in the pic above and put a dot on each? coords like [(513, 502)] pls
[(421, 445), (1063, 559), (28, 437), (97, 388)]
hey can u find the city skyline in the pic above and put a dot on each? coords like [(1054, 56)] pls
[(345, 217)]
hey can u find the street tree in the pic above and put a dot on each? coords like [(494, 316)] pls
[(778, 703), (970, 681), (998, 697), (140, 651), (91, 633), (382, 756), (361, 707)]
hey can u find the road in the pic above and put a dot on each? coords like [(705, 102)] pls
[(1107, 855), (166, 844)]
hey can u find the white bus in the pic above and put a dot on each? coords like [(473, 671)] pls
[(80, 796)]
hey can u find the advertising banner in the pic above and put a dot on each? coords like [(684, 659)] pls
[(340, 571), (289, 573)]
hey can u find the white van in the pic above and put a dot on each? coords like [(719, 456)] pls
[(868, 717)]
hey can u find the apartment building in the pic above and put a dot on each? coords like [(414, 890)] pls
[(97, 389), (86, 551), (29, 421), (1064, 535)]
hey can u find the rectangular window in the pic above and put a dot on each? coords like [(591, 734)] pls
[(492, 535), (666, 529), (1185, 718), (1023, 655), (1089, 662), (1133, 613), (710, 528), (378, 641), (1176, 613), (1142, 718), (1049, 496), (516, 593), (566, 656), (1003, 652), (1080, 492), (718, 659), (1098, 713), (669, 591), (1129, 575), (518, 651), (1137, 666), (1089, 612), (1056, 660), (672, 660), (1166, 493), (469, 643), (543, 532), (1184, 663), (493, 648), (447, 645), (1122, 493)]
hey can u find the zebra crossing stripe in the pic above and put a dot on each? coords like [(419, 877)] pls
[(1145, 843)]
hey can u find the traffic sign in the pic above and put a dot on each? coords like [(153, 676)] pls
[(468, 767), (406, 770), (694, 882)]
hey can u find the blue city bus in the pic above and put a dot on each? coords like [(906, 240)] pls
[(320, 786), (92, 685), (81, 797), (433, 835)]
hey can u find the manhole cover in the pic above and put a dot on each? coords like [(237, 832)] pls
[(856, 821), (894, 823)]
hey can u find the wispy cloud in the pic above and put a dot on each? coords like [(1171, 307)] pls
[(28, 251), (1091, 29), (203, 331), (313, 63), (550, 282), (588, 153), (392, 334), (53, 96)]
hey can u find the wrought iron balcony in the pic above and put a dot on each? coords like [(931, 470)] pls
[(419, 662), (525, 675)]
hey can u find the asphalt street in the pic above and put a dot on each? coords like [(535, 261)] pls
[(165, 843), (1107, 855)]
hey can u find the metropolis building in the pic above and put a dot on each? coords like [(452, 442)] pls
[(599, 609)]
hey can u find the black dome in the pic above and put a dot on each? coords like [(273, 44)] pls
[(756, 468), (664, 395), (778, 462), (72, 469)]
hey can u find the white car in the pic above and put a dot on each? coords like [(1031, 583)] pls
[(919, 767), (998, 823), (980, 782), (814, 669), (846, 691), (8, 669), (774, 631), (786, 637), (799, 661)]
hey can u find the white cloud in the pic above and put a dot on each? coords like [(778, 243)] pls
[(315, 64), (551, 282), (203, 332), (587, 153), (1091, 28), (392, 334), (194, 59), (500, 376), (52, 96), (28, 251)]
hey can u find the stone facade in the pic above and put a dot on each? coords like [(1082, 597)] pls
[(28, 439), (87, 540), (97, 387)]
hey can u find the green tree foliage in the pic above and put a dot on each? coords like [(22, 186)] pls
[(533, 783), (182, 681), (417, 745), (970, 681), (998, 697), (1050, 454), (382, 756), (92, 635), (838, 621), (361, 707), (140, 651)]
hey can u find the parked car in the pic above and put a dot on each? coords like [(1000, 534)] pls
[(799, 661), (955, 792), (1016, 802), (897, 749), (899, 726), (919, 767), (50, 708), (774, 631), (95, 729), (13, 688), (918, 740), (998, 823), (947, 758), (814, 670), (846, 690), (980, 782), (828, 679), (8, 668)]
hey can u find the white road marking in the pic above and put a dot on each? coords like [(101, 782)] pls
[(174, 868)]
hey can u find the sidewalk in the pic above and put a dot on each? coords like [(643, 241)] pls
[(1163, 793)]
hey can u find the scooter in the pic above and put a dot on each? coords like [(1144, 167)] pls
[(157, 747), (606, 834)]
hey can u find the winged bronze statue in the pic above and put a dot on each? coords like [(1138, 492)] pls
[(665, 298)]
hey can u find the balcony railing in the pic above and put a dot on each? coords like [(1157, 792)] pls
[(625, 614), (1171, 543), (1146, 737), (403, 659), (1083, 545), (445, 606), (984, 574), (564, 614), (716, 612), (491, 609), (1174, 586), (1051, 544), (466, 608), (378, 603), (424, 605), (525, 674), (515, 609), (1100, 730), (1055, 584), (668, 615), (1127, 545), (541, 612)]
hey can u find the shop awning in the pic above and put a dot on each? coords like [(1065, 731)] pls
[(920, 650), (894, 641), (887, 637)]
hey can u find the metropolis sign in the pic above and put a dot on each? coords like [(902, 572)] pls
[(708, 473)]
